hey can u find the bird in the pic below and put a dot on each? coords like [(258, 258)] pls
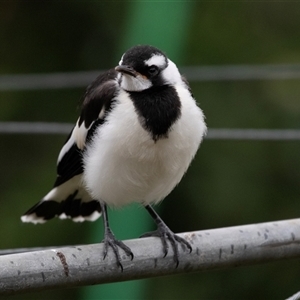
[(138, 130)]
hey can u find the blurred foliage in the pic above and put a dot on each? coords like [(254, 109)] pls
[(229, 182)]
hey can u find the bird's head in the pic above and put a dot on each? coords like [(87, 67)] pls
[(142, 67)]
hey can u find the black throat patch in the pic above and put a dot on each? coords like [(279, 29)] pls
[(158, 109)]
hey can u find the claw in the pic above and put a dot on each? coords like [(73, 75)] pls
[(164, 233), (111, 241)]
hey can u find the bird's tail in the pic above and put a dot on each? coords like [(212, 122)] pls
[(68, 200)]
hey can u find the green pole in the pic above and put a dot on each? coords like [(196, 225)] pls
[(164, 25)]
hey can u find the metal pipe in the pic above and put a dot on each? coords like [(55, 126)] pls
[(212, 249)]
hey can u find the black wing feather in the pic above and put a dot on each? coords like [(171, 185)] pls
[(98, 97)]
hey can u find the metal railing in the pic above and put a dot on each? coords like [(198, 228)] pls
[(62, 80)]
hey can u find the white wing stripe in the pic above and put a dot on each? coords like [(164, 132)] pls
[(78, 136)]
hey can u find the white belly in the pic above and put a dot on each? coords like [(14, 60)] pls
[(125, 165)]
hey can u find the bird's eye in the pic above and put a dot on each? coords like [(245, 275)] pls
[(153, 70)]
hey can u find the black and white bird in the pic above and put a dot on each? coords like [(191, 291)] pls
[(137, 133)]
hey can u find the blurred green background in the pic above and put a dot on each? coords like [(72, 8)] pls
[(229, 183)]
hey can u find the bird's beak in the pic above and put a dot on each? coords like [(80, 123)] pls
[(127, 70)]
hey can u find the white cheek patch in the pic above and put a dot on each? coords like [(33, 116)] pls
[(157, 60), (119, 76), (135, 84)]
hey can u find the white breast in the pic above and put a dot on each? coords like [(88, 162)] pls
[(123, 163)]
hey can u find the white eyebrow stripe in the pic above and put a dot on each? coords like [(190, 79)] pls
[(157, 60), (121, 61)]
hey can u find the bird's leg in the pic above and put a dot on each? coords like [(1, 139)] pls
[(111, 241), (164, 233)]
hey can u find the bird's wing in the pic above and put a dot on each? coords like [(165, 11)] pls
[(68, 198), (96, 104)]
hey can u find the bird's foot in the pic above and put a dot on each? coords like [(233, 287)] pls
[(111, 241), (164, 233)]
